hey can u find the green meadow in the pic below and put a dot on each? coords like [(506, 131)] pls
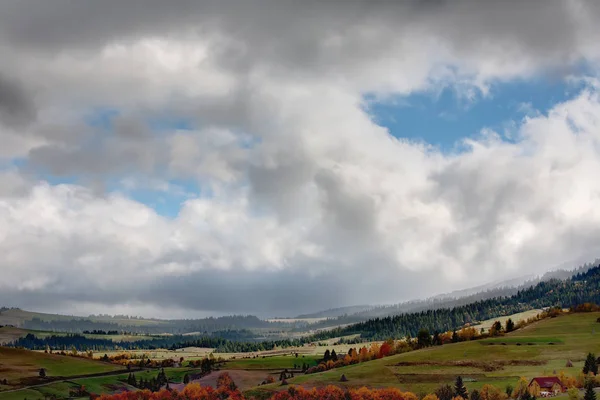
[(542, 348)]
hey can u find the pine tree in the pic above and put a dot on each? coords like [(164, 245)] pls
[(589, 392), (327, 355), (333, 355), (510, 325), (460, 389), (475, 395), (590, 365)]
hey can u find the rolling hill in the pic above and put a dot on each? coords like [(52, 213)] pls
[(540, 349)]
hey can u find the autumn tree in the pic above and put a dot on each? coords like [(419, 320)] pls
[(574, 394), (225, 381), (385, 349), (496, 328), (489, 392), (445, 392), (521, 388)]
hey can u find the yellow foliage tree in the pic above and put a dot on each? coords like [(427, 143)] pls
[(521, 388), (431, 397), (374, 350), (410, 396), (489, 392), (573, 394)]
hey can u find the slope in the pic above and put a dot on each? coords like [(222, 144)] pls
[(21, 367), (539, 349)]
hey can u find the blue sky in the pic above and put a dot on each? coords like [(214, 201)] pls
[(444, 119)]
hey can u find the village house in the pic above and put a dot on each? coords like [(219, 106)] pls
[(546, 386)]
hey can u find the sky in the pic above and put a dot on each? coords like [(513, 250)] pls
[(274, 157)]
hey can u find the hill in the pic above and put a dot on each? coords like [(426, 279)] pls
[(447, 300), (336, 312), (537, 350), (74, 324), (21, 367), (583, 287)]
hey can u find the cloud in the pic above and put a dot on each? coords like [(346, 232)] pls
[(303, 201)]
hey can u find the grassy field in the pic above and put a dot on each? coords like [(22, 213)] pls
[(272, 363), (21, 367), (542, 348), (523, 316), (9, 334), (478, 362), (103, 384)]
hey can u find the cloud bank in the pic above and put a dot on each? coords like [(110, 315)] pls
[(253, 118)]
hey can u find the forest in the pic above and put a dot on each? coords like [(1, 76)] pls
[(83, 343)]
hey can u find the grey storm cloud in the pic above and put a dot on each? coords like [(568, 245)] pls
[(303, 201), (16, 104)]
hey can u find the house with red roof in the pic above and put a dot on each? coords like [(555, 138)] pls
[(546, 386)]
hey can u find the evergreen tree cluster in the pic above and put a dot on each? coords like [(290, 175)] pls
[(83, 343)]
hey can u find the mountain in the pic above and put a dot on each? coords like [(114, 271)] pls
[(582, 287), (64, 323), (336, 312), (449, 300)]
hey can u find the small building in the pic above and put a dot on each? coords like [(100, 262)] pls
[(546, 386)]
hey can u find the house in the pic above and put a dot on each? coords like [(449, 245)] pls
[(546, 386)]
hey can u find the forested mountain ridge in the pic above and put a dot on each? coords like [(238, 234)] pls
[(453, 299), (73, 324), (583, 287)]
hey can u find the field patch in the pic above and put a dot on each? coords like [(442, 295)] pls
[(522, 341), (21, 367), (273, 363)]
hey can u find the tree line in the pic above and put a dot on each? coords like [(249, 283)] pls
[(79, 342)]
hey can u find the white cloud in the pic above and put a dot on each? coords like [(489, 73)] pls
[(303, 194)]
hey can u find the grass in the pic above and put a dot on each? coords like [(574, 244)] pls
[(9, 334), (28, 394), (270, 363), (21, 367), (102, 384), (487, 324), (527, 341), (477, 362)]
